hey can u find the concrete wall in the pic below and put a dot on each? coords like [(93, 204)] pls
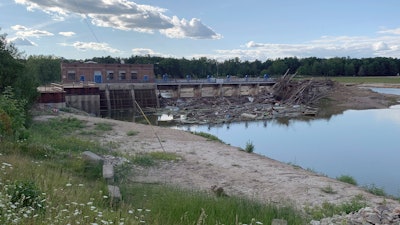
[(212, 90), (87, 103)]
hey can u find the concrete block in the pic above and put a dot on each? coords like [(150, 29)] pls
[(108, 171), (114, 193)]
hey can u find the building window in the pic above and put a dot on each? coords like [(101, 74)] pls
[(134, 75), (110, 75), (122, 75), (71, 75)]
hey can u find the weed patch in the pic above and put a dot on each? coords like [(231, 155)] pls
[(347, 179), (328, 209)]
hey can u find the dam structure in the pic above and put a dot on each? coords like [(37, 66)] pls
[(107, 99)]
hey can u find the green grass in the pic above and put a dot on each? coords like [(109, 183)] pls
[(329, 209), (104, 126), (48, 167), (373, 189), (372, 79), (132, 133), (347, 179), (208, 136), (177, 206)]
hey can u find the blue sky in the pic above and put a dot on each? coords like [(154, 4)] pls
[(218, 29)]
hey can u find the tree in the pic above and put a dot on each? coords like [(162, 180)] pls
[(45, 69), (12, 115), (10, 67)]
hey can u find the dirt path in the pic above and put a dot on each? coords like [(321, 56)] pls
[(205, 163)]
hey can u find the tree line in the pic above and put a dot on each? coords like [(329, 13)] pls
[(311, 66)]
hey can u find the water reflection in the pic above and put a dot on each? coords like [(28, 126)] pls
[(360, 143)]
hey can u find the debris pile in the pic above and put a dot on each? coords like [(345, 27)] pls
[(287, 98), (306, 92)]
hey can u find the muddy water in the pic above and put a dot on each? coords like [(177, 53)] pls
[(361, 143)]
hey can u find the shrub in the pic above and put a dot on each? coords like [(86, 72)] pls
[(12, 114), (347, 179), (26, 194), (249, 147), (132, 133), (375, 190)]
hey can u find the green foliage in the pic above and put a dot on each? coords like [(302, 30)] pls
[(132, 133), (347, 179), (10, 67), (329, 209), (45, 69), (144, 160), (26, 194), (12, 114), (167, 156), (373, 189), (249, 147), (177, 206), (103, 126), (208, 136)]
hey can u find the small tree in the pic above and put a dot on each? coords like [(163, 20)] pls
[(12, 114)]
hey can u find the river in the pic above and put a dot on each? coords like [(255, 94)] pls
[(363, 144)]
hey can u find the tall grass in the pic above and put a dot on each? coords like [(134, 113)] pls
[(176, 206), (48, 167)]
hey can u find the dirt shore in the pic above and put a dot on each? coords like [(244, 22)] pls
[(205, 163)]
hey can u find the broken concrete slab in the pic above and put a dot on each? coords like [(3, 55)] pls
[(108, 172)]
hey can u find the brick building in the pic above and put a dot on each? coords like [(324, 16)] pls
[(107, 73)]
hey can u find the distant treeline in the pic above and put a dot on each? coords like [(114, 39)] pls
[(312, 66)]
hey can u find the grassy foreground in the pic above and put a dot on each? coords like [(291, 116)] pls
[(45, 181)]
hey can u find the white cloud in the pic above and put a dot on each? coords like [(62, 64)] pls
[(67, 34), (143, 51), (324, 47), (85, 46), (390, 31), (23, 31), (151, 52), (380, 46), (22, 41), (125, 15), (193, 29)]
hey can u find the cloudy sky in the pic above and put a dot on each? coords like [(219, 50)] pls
[(217, 29)]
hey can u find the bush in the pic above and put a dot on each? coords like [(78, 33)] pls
[(12, 114), (347, 179), (26, 194), (375, 190), (249, 147)]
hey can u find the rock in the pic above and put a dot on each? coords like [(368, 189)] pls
[(114, 193), (90, 156), (248, 115), (379, 215)]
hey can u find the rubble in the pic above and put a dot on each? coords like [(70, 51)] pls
[(379, 215), (289, 98)]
